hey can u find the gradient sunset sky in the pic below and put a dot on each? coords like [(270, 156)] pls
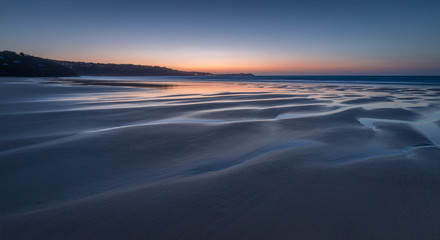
[(263, 37)]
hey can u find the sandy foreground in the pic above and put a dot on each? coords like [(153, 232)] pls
[(84, 159)]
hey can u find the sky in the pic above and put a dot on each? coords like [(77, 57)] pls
[(296, 37)]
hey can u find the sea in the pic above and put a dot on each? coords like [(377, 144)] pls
[(383, 80)]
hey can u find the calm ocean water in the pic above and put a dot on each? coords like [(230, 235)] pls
[(400, 80)]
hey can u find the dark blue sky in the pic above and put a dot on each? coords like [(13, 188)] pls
[(265, 37)]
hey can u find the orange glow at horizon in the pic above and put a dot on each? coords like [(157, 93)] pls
[(256, 65), (292, 67)]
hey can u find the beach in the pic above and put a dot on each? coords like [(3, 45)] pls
[(148, 158)]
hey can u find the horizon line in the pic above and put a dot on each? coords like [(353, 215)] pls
[(238, 72)]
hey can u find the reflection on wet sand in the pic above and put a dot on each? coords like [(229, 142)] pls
[(111, 83)]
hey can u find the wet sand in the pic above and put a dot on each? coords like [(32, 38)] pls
[(218, 160)]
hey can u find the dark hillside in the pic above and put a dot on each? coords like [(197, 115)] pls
[(12, 64)]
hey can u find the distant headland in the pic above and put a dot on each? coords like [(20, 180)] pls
[(23, 65)]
